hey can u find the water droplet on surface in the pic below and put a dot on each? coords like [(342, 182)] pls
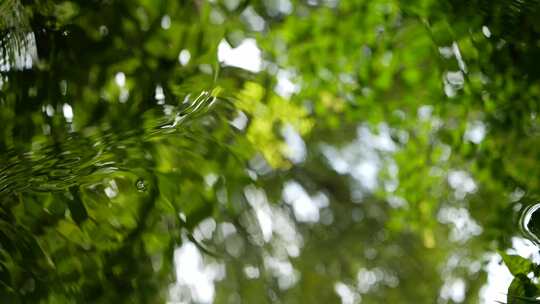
[(141, 185), (530, 223)]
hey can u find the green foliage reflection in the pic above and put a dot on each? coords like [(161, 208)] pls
[(381, 153)]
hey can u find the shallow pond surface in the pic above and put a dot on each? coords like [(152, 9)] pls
[(268, 152)]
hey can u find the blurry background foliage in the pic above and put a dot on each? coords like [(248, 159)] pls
[(380, 152)]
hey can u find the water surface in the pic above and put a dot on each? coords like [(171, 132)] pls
[(267, 152)]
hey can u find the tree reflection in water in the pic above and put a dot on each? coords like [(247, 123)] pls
[(268, 151)]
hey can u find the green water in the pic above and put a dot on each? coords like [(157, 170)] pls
[(269, 151)]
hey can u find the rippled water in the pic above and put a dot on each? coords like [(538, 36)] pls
[(529, 222), (65, 164)]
